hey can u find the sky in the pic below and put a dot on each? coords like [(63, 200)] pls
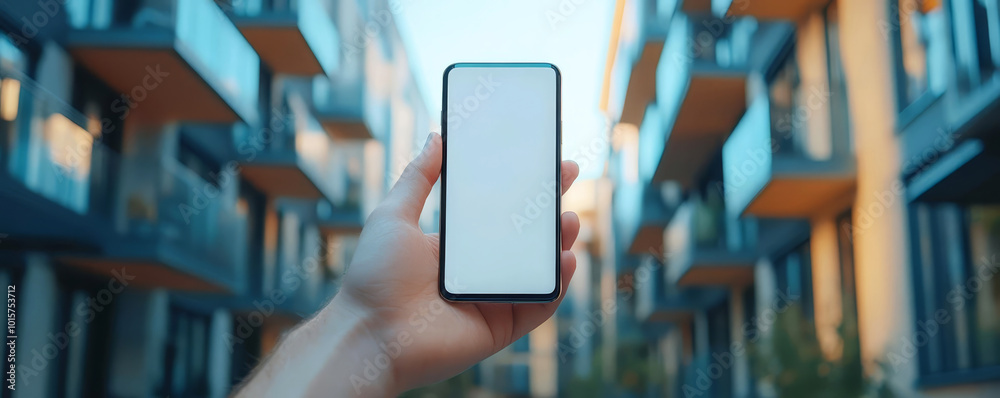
[(572, 34)]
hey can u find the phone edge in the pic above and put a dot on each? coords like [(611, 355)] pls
[(500, 298)]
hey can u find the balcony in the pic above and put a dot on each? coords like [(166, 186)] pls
[(175, 230), (640, 213), (171, 60), (292, 37), (345, 219), (642, 31), (973, 102), (296, 161), (52, 169), (768, 171), (658, 302), (344, 109), (767, 9), (705, 246), (701, 94)]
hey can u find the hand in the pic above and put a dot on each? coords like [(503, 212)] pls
[(393, 281), (388, 329)]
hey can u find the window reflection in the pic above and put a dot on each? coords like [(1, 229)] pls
[(922, 36)]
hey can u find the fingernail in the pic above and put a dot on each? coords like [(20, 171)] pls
[(430, 136)]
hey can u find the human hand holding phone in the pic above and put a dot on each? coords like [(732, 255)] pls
[(389, 330)]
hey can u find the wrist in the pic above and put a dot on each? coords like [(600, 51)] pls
[(359, 357)]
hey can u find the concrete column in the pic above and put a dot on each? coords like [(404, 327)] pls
[(880, 230), (543, 363), (37, 357), (270, 260), (827, 297), (812, 112), (701, 346), (766, 294), (141, 329), (741, 363), (219, 357)]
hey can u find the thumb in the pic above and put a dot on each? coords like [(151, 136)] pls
[(406, 198)]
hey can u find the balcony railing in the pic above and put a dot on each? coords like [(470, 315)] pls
[(770, 172), (633, 78), (640, 213), (345, 218), (184, 221), (293, 36), (658, 301), (50, 148), (701, 91), (705, 245), (345, 109), (139, 36), (767, 9)]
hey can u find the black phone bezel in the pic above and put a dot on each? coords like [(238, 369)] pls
[(502, 298)]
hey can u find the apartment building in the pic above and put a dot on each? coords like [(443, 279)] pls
[(805, 196), (182, 181)]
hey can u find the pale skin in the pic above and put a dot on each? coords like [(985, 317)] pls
[(388, 330)]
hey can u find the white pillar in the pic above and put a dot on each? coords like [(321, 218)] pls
[(880, 231)]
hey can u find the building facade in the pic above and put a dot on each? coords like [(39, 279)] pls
[(805, 196), (182, 181)]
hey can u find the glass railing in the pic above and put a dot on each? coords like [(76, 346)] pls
[(649, 287), (747, 157), (315, 151), (174, 206), (721, 7), (654, 19), (643, 21), (704, 225), (345, 100), (314, 21), (652, 138), (349, 178), (707, 43), (205, 37), (49, 146)]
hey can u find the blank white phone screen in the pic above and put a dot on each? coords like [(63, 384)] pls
[(500, 196)]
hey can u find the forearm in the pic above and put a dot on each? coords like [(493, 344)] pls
[(333, 354)]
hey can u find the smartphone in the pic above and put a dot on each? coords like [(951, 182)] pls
[(500, 182)]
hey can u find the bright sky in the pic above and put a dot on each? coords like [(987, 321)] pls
[(572, 34)]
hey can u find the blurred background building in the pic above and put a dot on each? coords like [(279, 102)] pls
[(182, 181), (799, 197), (805, 197)]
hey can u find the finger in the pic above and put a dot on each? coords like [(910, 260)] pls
[(570, 229), (528, 316), (406, 198), (570, 170)]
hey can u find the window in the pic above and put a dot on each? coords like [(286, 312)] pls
[(749, 329), (920, 34), (976, 40), (840, 119), (793, 275), (13, 62), (783, 91), (848, 290), (956, 262), (83, 365), (195, 159), (186, 355), (718, 344)]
